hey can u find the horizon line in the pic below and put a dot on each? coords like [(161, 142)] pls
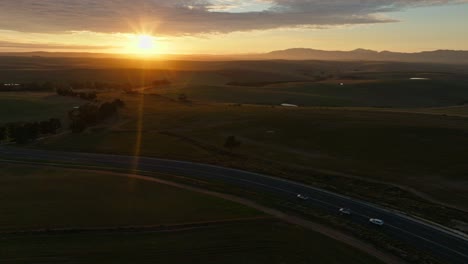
[(223, 54)]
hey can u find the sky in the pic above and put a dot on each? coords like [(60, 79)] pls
[(148, 27)]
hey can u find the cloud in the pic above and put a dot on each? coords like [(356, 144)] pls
[(41, 46), (183, 17)]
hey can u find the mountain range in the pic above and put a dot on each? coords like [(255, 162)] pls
[(437, 56)]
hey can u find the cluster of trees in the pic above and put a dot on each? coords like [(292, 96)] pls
[(90, 96), (90, 114), (22, 133)]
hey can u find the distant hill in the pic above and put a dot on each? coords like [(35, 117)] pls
[(438, 56)]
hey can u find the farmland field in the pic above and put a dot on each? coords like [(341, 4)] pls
[(389, 93), (28, 106), (257, 242), (364, 121), (427, 154), (56, 214), (38, 198)]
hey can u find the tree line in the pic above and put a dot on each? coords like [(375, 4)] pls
[(90, 114), (22, 133), (90, 96), (81, 118)]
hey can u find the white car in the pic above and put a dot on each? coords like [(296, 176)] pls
[(376, 221), (302, 197), (345, 211)]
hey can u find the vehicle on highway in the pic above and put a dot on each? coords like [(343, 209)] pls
[(376, 221), (303, 197), (345, 211)]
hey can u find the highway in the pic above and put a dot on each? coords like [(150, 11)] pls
[(443, 244)]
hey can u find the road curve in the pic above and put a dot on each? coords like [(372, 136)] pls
[(443, 244)]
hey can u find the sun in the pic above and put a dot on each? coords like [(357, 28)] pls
[(142, 45), (145, 43)]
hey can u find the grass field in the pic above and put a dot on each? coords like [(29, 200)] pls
[(366, 84), (37, 198), (461, 110), (422, 151), (26, 106), (415, 136), (234, 243), (378, 128), (397, 93)]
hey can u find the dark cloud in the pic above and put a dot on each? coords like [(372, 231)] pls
[(175, 17)]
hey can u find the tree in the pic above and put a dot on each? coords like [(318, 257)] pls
[(50, 126), (7, 135), (232, 143), (24, 133), (55, 124), (119, 103), (65, 91), (44, 127)]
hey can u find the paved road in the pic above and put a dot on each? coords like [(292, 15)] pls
[(447, 246)]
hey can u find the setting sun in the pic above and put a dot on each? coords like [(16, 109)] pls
[(145, 42)]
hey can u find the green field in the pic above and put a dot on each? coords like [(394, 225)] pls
[(265, 242), (306, 83), (26, 106), (45, 200), (422, 151), (452, 111), (397, 93), (37, 198), (361, 129)]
